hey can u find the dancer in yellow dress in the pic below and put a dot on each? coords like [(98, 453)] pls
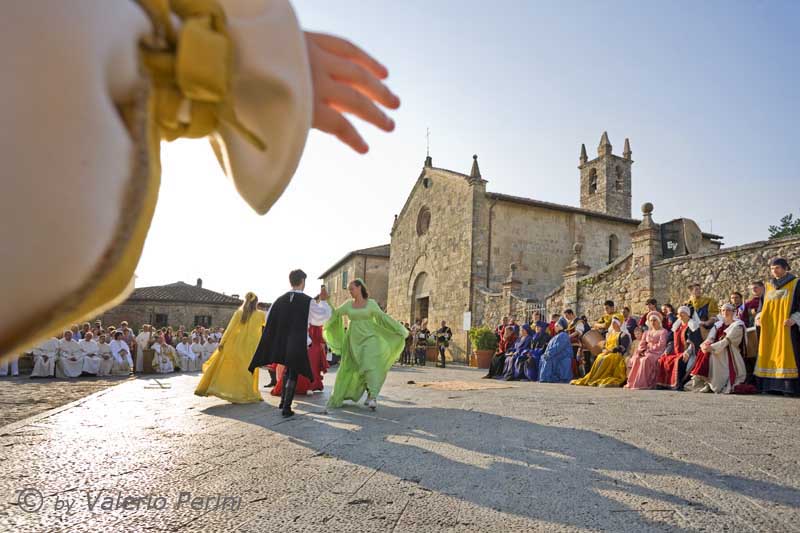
[(225, 374)]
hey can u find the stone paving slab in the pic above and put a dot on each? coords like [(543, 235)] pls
[(533, 457)]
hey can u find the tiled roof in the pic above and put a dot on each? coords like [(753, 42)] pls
[(181, 292), (374, 251)]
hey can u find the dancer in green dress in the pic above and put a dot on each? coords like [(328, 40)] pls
[(369, 347)]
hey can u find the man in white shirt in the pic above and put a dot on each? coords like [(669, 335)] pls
[(70, 357), (106, 359), (123, 364), (197, 350), (209, 347), (143, 341), (91, 359), (185, 354), (163, 360), (44, 359)]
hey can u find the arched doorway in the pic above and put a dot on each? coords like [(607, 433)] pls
[(420, 297)]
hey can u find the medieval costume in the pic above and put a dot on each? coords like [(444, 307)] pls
[(705, 308), (123, 362), (516, 356), (185, 356), (165, 358), (779, 344), (506, 343), (720, 367), (318, 361), (285, 340), (644, 363), (680, 355), (608, 369), (225, 374), (527, 367), (443, 336), (369, 348), (44, 359), (106, 359), (556, 362), (13, 362)]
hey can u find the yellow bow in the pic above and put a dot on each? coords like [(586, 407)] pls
[(191, 71)]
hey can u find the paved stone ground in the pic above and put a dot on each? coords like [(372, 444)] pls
[(21, 397), (535, 457)]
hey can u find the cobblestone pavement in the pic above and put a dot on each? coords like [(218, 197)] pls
[(21, 397), (532, 457)]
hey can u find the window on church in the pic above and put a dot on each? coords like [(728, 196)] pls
[(592, 181), (613, 248), (344, 278), (202, 320), (423, 221), (619, 182)]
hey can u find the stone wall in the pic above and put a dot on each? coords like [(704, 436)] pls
[(615, 282), (723, 271), (373, 270), (442, 253), (138, 313)]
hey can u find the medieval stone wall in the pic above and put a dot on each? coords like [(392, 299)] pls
[(373, 270), (376, 276), (724, 271), (540, 240), (138, 313), (618, 282), (442, 254)]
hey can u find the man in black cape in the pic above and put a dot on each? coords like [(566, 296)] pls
[(285, 337)]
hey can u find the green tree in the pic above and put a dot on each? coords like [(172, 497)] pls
[(789, 226)]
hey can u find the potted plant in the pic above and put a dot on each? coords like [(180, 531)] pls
[(484, 345), (432, 352)]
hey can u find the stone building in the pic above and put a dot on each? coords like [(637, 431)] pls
[(176, 304), (460, 253), (369, 264)]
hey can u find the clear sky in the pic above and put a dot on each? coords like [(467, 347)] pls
[(707, 92)]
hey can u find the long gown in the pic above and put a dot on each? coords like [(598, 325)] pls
[(225, 374), (317, 360), (672, 369), (369, 348), (556, 362), (644, 363), (608, 369)]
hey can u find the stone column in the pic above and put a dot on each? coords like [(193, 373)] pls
[(646, 245), (574, 270), (510, 286)]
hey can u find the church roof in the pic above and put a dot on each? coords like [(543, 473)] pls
[(374, 251), (181, 292)]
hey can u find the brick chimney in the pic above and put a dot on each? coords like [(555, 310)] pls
[(199, 283)]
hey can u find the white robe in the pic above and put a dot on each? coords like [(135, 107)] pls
[(719, 378), (208, 349), (106, 359), (197, 350), (13, 362), (121, 353), (91, 360), (162, 362), (44, 359), (186, 357), (142, 343), (70, 359)]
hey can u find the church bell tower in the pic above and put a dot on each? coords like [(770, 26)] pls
[(606, 180)]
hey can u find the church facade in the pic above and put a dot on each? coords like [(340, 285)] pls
[(455, 245)]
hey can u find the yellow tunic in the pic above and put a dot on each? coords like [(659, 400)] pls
[(226, 374), (776, 357), (608, 370)]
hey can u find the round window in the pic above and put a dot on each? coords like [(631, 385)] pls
[(423, 221)]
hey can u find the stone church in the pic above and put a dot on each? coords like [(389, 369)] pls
[(456, 246)]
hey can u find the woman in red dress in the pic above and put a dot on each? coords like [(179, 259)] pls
[(319, 364)]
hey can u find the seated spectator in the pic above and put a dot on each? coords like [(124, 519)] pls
[(209, 348), (636, 339), (681, 353), (185, 354), (106, 359), (499, 359), (737, 301), (669, 316), (628, 321), (705, 307), (142, 342), (121, 352), (753, 306), (720, 366), (608, 369), (89, 351), (650, 305), (520, 351), (97, 330), (13, 362), (197, 349), (44, 359), (164, 357), (644, 363), (604, 322), (169, 337), (70, 358), (556, 362), (551, 326), (530, 365)]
